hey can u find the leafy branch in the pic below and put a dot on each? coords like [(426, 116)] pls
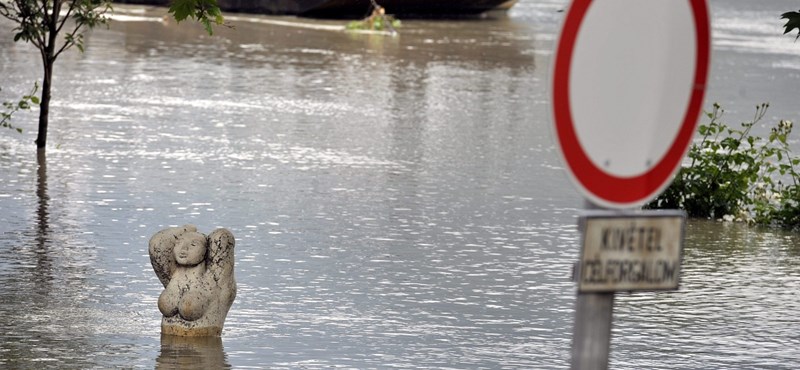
[(23, 104), (204, 11), (40, 21)]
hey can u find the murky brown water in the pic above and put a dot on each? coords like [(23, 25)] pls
[(397, 202)]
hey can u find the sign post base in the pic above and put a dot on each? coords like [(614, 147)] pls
[(591, 335)]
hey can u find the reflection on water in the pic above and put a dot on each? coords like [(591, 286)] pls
[(43, 271), (396, 203), (191, 353)]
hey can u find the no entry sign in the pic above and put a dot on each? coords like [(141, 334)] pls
[(627, 89)]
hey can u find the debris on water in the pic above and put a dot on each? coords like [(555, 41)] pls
[(377, 21)]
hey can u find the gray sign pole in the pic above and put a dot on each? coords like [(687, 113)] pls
[(591, 334), (620, 251), (627, 253)]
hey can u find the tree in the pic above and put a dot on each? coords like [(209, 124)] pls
[(40, 22)]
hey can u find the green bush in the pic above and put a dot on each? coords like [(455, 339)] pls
[(375, 23), (734, 175)]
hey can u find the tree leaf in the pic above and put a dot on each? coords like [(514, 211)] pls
[(793, 21), (182, 9)]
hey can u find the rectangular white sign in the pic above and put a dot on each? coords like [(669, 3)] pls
[(630, 251)]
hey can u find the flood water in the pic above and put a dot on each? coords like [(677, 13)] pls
[(397, 201)]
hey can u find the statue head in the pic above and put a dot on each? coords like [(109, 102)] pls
[(190, 249)]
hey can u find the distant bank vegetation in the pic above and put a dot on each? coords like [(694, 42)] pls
[(733, 175), (377, 21)]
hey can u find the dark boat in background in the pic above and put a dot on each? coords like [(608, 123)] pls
[(354, 8)]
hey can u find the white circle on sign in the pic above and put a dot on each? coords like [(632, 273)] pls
[(624, 103)]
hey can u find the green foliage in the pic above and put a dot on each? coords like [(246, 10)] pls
[(793, 21), (788, 213), (385, 23), (377, 21), (37, 19), (12, 107), (734, 175), (203, 11)]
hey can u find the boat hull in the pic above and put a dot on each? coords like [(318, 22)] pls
[(352, 8), (403, 8)]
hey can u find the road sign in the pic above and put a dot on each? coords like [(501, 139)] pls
[(630, 251), (627, 89)]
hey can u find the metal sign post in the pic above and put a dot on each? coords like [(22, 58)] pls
[(591, 335), (628, 82), (620, 251), (591, 331)]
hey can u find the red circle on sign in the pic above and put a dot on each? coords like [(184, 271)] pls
[(601, 186)]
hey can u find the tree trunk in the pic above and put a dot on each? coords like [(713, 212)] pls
[(48, 59), (44, 105)]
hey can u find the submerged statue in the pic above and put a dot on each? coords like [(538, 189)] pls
[(197, 274)]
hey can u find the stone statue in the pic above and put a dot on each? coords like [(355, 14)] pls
[(197, 274)]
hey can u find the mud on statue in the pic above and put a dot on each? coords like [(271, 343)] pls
[(197, 273)]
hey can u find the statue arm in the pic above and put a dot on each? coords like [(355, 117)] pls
[(220, 254), (161, 255)]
